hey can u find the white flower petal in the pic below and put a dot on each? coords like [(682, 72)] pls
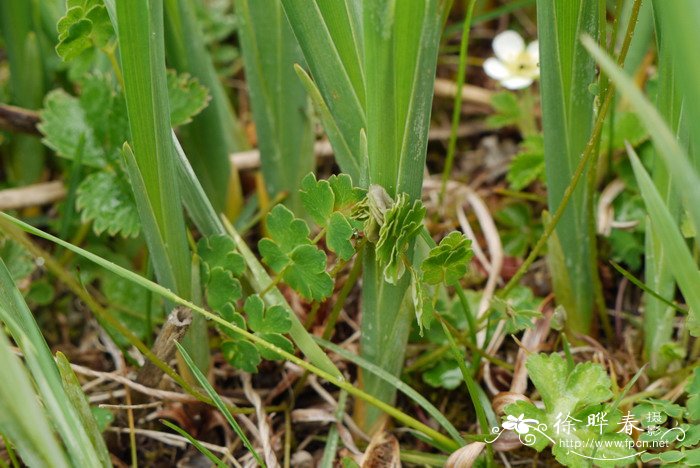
[(510, 425), (496, 69), (508, 45), (522, 428), (533, 50), (516, 82)]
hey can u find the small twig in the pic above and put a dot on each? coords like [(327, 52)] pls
[(173, 330), (17, 119), (32, 195)]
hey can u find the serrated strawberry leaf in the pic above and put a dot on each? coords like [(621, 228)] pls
[(448, 262), (318, 198), (277, 340), (187, 98), (222, 288), (220, 251), (63, 123), (528, 165), (338, 236), (106, 200), (241, 355), (274, 319)]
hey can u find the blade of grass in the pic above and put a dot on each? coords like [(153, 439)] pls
[(279, 102), (197, 444), (27, 68), (328, 32), (397, 383), (219, 403), (683, 265), (457, 106), (140, 26), (215, 132), (22, 419), (632, 279), (25, 332), (567, 118), (167, 294)]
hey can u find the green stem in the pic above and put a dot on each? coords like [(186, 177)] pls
[(457, 108)]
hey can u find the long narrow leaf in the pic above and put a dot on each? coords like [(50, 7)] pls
[(683, 267)]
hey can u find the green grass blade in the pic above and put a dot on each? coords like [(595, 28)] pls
[(677, 162), (22, 45), (25, 331), (567, 117), (197, 444), (77, 398), (327, 32), (680, 21), (216, 131), (22, 419), (658, 317), (683, 265), (279, 102), (398, 384), (143, 65), (201, 378)]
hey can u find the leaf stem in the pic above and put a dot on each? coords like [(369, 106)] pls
[(457, 108)]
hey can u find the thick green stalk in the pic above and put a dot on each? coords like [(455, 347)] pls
[(279, 102), (215, 133), (400, 51), (152, 166), (567, 115), (22, 46)]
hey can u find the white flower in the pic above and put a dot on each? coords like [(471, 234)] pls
[(519, 424), (515, 66)]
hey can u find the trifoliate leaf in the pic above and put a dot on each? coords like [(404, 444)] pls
[(187, 98), (308, 273), (274, 319), (285, 230), (402, 222), (220, 251), (344, 193), (106, 200), (507, 110), (448, 262), (222, 288), (338, 236), (289, 253), (241, 355), (86, 24), (528, 165), (318, 199), (277, 340)]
